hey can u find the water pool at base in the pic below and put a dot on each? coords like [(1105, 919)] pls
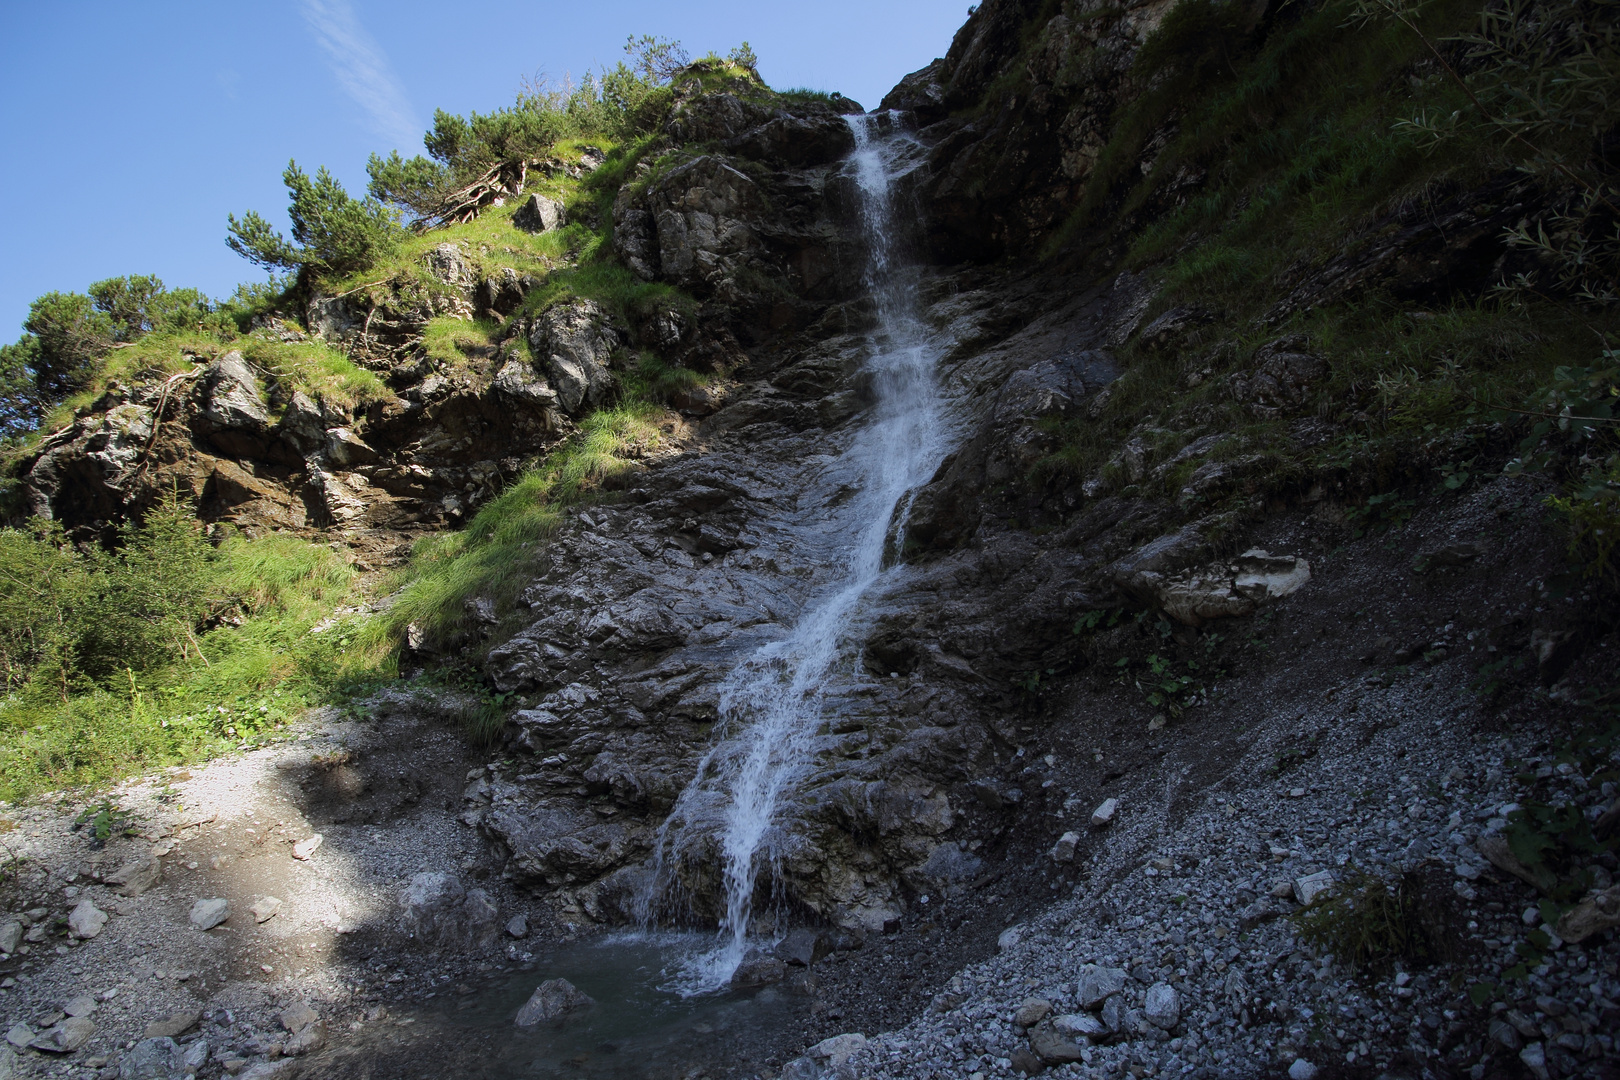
[(635, 1029)]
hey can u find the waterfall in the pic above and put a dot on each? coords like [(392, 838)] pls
[(772, 704)]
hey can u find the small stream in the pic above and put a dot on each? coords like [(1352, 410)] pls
[(637, 1027)]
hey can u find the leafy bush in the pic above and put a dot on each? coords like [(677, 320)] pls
[(331, 232), (164, 649)]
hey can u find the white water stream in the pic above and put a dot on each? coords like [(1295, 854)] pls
[(772, 703)]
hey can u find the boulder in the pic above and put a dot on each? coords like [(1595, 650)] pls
[(1595, 914), (1032, 1012), (156, 1057), (518, 926), (171, 1027), (1079, 1026), (1098, 984), (1280, 379), (233, 415), (804, 947), (1162, 1006), (519, 384), (828, 1059), (138, 873), (758, 971), (207, 914), (440, 911), (67, 1036), (1052, 1046), (575, 344), (1063, 850), (1104, 814), (552, 1001), (539, 214), (265, 908), (86, 920)]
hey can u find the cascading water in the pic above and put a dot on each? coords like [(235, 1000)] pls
[(773, 702)]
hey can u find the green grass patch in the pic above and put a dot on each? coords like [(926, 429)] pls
[(494, 556), (166, 651)]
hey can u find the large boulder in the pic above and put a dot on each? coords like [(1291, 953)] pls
[(438, 910), (540, 214), (552, 1001), (575, 344)]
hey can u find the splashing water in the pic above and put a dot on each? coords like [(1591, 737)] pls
[(773, 701)]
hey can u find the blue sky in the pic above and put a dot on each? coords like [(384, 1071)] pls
[(131, 130)]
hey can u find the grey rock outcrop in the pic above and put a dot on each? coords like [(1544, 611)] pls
[(539, 214), (574, 343)]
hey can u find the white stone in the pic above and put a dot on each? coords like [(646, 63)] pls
[(306, 848), (86, 920), (1105, 813), (1309, 887), (207, 914), (264, 909)]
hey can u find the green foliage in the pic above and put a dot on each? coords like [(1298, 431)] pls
[(494, 555), (164, 649), (1575, 419), (1369, 923), (331, 232), (72, 335), (22, 406)]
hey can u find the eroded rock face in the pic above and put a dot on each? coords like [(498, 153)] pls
[(575, 343)]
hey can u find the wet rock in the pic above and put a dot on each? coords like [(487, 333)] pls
[(1032, 1012), (138, 873), (67, 1036), (804, 947), (172, 1027), (156, 1057), (539, 214), (440, 911), (552, 1001), (1098, 984), (207, 914), (265, 908), (1162, 1006), (86, 920), (758, 971)]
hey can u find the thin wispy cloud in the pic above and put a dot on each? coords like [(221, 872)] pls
[(363, 71)]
